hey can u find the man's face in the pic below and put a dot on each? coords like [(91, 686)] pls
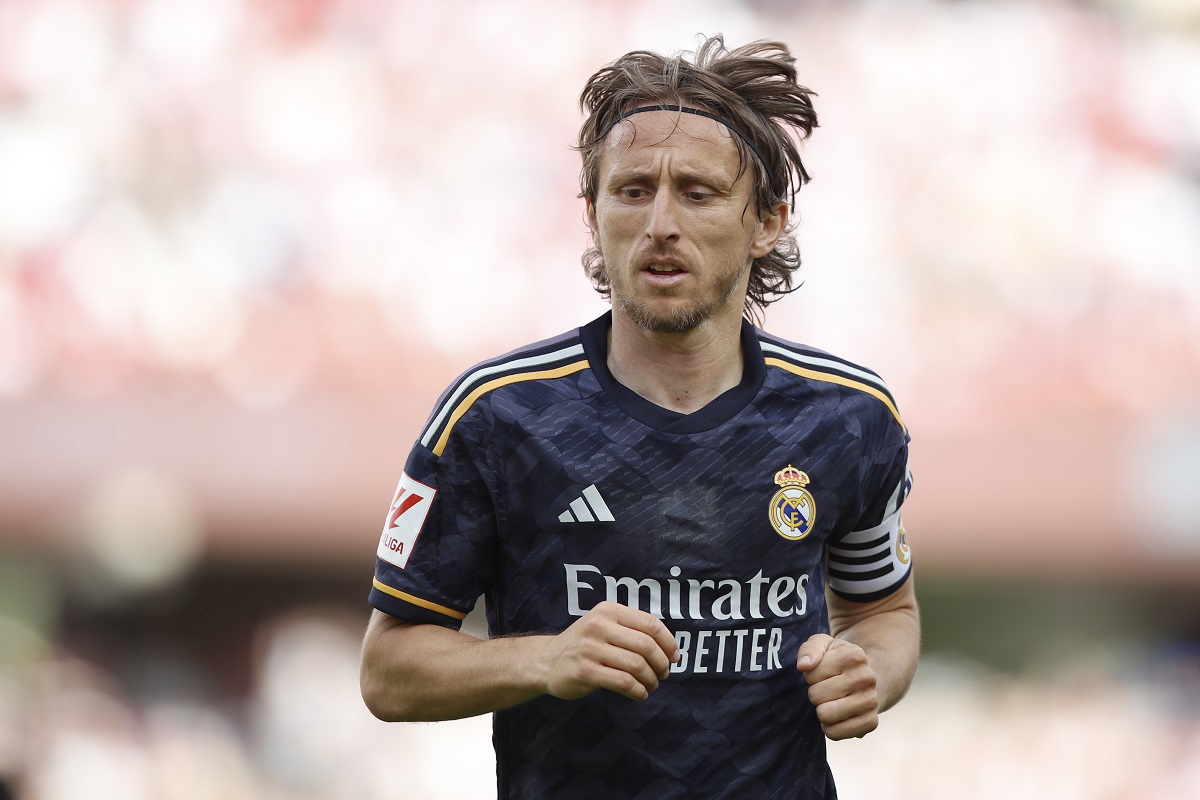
[(676, 226)]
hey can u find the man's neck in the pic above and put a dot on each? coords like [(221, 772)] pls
[(680, 372)]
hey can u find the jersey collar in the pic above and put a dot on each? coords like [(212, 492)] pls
[(723, 408)]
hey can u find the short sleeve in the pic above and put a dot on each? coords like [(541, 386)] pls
[(436, 551), (874, 558)]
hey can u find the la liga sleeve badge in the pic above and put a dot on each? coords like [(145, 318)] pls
[(405, 518)]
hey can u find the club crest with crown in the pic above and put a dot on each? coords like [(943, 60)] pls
[(793, 509)]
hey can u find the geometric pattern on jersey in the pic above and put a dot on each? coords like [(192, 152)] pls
[(555, 487)]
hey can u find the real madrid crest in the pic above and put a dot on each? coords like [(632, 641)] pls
[(902, 551), (793, 509)]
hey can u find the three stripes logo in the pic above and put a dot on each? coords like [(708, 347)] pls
[(588, 507)]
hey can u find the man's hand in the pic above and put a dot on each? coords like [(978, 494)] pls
[(841, 685), (611, 647)]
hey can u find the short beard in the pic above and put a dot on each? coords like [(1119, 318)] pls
[(682, 320)]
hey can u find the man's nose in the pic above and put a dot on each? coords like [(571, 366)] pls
[(663, 224)]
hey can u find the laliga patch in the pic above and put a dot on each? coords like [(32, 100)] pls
[(407, 514)]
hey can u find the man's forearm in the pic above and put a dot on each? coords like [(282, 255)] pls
[(889, 632), (425, 673)]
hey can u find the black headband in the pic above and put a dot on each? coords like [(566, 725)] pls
[(699, 113)]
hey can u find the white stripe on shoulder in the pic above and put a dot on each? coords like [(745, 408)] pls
[(473, 378), (826, 364)]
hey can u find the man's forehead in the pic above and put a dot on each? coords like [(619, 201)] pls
[(668, 128)]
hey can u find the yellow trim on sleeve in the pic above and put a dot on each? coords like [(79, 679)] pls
[(416, 601), (838, 379), (483, 389)]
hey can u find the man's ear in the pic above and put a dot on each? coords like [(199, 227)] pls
[(771, 227), (589, 216)]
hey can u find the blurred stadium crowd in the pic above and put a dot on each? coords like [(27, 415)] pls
[(238, 191), (310, 214)]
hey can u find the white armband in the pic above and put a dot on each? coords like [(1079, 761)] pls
[(867, 565)]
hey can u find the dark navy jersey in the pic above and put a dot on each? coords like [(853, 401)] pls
[(544, 485)]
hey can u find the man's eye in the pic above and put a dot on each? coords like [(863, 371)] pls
[(697, 197), (633, 194)]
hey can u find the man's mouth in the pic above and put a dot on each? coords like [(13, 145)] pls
[(664, 268)]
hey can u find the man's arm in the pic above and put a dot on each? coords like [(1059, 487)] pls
[(868, 663), (427, 672)]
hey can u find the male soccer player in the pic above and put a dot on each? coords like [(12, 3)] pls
[(687, 530)]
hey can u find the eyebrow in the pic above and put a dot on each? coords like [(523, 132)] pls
[(622, 176)]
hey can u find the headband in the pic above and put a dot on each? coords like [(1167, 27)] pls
[(699, 113)]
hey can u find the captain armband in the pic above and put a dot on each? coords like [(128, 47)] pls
[(870, 564)]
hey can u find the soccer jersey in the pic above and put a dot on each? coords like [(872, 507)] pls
[(544, 485)]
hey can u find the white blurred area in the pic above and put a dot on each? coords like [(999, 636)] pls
[(244, 245)]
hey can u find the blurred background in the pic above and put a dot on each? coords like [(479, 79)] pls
[(244, 246)]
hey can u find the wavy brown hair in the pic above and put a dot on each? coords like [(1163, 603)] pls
[(755, 88)]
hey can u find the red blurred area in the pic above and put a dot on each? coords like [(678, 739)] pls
[(245, 245)]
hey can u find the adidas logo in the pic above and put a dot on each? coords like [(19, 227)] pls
[(588, 507)]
